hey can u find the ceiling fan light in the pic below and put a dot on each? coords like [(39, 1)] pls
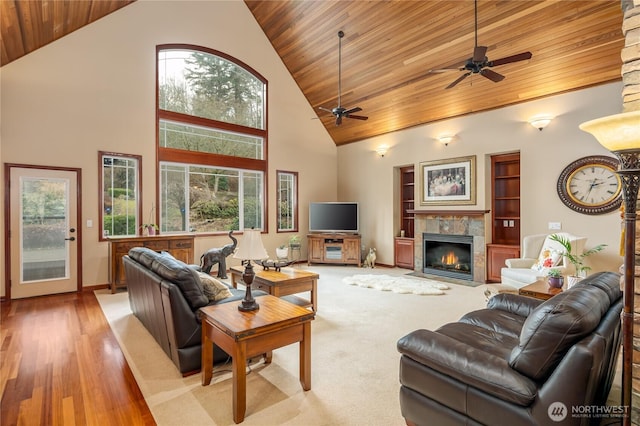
[(540, 122)]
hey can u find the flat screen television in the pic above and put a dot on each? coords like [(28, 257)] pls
[(334, 217)]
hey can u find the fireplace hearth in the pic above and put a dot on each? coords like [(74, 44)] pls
[(448, 255)]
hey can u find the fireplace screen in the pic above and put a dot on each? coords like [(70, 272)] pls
[(448, 255)]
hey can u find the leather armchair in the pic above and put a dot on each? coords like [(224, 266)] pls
[(508, 363)]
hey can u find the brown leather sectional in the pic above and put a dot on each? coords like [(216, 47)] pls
[(520, 361)]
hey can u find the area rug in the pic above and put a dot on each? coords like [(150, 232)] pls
[(397, 284)]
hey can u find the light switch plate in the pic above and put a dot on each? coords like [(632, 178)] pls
[(556, 226)]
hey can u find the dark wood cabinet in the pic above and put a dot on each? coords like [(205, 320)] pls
[(496, 255), (404, 252), (180, 247), (505, 213), (334, 248)]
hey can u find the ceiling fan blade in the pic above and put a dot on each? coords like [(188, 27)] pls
[(514, 58), (325, 109), (458, 80), (355, 109), (479, 53), (492, 75), (357, 117), (338, 120), (441, 70)]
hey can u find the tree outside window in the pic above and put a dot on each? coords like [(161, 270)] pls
[(211, 141)]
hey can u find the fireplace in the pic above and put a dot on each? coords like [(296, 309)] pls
[(448, 255)]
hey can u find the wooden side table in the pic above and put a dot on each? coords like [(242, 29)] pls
[(284, 283), (244, 335), (540, 290)]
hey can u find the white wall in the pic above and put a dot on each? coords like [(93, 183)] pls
[(365, 177), (95, 90)]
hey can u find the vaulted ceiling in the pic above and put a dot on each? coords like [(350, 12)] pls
[(389, 48)]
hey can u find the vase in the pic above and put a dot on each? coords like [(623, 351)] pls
[(556, 282), (282, 253), (151, 231)]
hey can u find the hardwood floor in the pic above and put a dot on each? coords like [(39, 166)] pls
[(61, 365)]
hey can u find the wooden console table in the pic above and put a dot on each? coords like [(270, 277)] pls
[(245, 335), (180, 247)]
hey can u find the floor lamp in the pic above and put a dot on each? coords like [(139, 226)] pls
[(620, 134)]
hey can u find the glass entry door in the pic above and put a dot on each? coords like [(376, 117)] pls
[(44, 237)]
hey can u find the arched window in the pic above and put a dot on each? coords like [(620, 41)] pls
[(212, 141)]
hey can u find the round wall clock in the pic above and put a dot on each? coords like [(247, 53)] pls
[(590, 185)]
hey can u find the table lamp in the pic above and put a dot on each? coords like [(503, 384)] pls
[(249, 249), (620, 134)]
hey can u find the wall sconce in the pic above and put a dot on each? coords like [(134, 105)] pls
[(445, 140), (540, 122), (382, 150)]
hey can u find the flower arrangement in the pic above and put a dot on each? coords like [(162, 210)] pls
[(150, 228), (577, 260)]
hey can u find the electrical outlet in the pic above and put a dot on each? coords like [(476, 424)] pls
[(89, 223), (556, 226), (505, 223), (512, 224)]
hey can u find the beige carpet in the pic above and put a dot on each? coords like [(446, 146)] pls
[(354, 359)]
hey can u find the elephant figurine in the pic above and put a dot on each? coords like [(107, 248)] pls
[(219, 256)]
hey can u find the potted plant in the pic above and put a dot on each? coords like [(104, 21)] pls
[(149, 229), (555, 278), (294, 242), (577, 260), (282, 252)]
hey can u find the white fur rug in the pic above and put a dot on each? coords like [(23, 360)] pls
[(398, 284)]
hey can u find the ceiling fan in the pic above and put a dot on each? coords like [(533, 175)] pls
[(480, 64), (339, 112)]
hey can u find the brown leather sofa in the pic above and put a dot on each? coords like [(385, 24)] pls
[(165, 294), (509, 363)]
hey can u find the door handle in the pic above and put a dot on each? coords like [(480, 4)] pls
[(70, 239)]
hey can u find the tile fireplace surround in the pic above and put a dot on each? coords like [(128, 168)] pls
[(453, 222)]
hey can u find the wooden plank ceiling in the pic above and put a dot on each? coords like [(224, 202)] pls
[(388, 49), (28, 25), (390, 46)]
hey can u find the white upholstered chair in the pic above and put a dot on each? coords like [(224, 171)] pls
[(538, 255), (529, 267)]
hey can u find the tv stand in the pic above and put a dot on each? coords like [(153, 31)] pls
[(343, 249)]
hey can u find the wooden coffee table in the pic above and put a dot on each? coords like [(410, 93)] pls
[(540, 290), (245, 335), (287, 282)]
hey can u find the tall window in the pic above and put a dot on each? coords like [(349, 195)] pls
[(120, 187), (211, 141), (287, 183)]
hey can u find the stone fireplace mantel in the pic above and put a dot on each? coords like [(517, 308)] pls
[(453, 222), (450, 212)]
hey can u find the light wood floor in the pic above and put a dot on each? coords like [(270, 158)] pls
[(60, 364)]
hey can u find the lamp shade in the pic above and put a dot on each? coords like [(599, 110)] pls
[(251, 247), (616, 132)]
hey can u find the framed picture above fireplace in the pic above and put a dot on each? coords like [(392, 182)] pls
[(447, 182)]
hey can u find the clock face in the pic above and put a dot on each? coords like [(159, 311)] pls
[(591, 185)]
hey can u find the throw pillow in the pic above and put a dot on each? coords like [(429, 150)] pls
[(548, 258), (212, 288)]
